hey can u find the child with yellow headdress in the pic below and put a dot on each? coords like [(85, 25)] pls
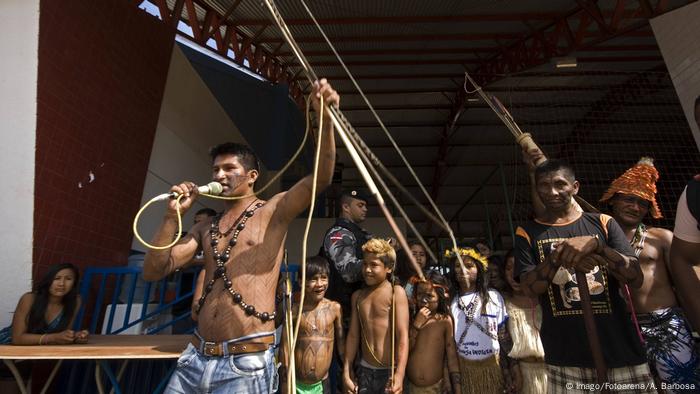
[(480, 318)]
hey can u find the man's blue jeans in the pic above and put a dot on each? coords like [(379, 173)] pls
[(246, 373)]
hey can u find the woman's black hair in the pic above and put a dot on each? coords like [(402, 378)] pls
[(482, 280), (502, 285), (404, 268), (36, 321)]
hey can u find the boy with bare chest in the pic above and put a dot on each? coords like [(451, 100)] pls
[(320, 327), (431, 341), (378, 327)]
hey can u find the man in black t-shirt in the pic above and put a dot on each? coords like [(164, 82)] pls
[(549, 251)]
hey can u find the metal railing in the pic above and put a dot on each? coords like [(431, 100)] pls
[(104, 288), (125, 286)]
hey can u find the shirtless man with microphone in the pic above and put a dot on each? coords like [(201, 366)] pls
[(231, 350)]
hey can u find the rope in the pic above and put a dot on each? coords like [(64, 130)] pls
[(288, 330), (441, 221), (393, 331), (345, 130), (292, 371)]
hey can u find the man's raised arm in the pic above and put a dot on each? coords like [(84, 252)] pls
[(297, 199), (159, 263)]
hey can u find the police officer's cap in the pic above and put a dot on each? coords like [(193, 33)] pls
[(358, 194)]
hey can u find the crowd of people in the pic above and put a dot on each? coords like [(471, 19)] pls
[(516, 323)]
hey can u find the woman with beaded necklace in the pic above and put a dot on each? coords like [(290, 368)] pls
[(480, 319)]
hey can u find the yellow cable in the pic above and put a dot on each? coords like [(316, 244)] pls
[(262, 189), (306, 235), (288, 332), (291, 342), (291, 370), (179, 224)]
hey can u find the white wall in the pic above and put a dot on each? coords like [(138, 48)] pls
[(376, 226), (677, 34), (19, 42), (190, 122)]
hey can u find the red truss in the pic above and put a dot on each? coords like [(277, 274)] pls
[(260, 60)]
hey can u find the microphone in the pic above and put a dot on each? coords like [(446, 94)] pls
[(214, 188)]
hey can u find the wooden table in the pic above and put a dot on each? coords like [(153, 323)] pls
[(99, 348)]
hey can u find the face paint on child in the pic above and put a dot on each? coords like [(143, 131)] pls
[(466, 279)]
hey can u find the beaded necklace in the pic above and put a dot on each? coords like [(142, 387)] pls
[(469, 312), (223, 257), (637, 242)]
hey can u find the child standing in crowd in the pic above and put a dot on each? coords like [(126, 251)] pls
[(480, 319), (378, 326), (431, 340), (321, 327), (524, 355), (405, 272)]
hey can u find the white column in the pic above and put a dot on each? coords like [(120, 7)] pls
[(677, 34), (19, 43)]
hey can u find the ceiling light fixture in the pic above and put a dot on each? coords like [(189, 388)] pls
[(565, 62)]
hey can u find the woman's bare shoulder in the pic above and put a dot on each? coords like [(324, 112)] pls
[(27, 297)]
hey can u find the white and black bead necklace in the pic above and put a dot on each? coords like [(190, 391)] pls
[(469, 313), (222, 258)]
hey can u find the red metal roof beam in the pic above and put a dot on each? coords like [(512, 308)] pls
[(260, 60), (506, 17), (435, 37)]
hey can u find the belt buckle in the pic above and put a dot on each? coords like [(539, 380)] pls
[(210, 348)]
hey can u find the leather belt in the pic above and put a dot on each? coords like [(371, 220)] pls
[(216, 349)]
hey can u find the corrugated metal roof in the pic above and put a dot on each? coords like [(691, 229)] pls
[(410, 55)]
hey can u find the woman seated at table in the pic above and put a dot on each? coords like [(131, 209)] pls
[(45, 316)]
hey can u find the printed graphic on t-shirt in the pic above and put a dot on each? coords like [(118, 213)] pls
[(563, 292), (476, 333)]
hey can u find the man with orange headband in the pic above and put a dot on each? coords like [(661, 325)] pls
[(630, 198)]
